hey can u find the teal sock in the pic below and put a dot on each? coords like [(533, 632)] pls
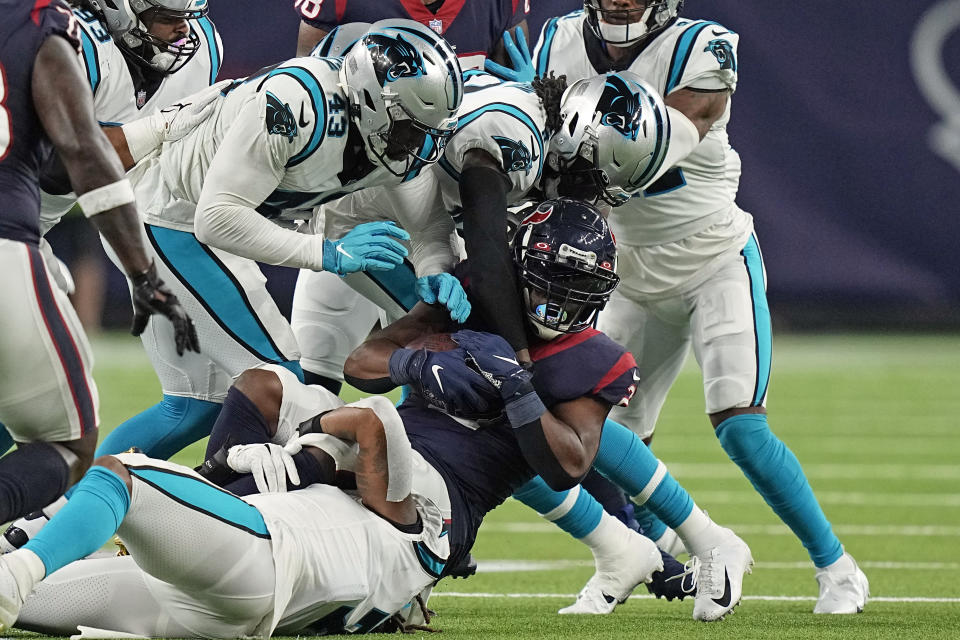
[(93, 514), (777, 476), (629, 463), (580, 518), (164, 428)]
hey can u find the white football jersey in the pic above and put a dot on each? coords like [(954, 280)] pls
[(115, 101), (696, 197), (279, 138)]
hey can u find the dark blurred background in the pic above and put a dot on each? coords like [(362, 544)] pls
[(847, 119)]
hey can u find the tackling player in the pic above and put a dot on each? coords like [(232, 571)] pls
[(49, 400), (692, 269)]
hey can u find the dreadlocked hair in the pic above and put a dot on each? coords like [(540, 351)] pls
[(550, 90)]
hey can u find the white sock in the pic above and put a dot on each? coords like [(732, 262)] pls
[(698, 532), (607, 542), (27, 569)]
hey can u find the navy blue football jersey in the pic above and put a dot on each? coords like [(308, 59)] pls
[(473, 27), (23, 145), (571, 366)]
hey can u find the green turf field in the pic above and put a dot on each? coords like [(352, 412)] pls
[(873, 420)]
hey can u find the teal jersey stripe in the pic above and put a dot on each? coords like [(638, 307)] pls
[(205, 498), (502, 107), (91, 59), (216, 289), (319, 100), (210, 34), (681, 53), (433, 565), (761, 317), (543, 57)]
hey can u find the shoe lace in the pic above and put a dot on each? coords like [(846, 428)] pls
[(691, 570)]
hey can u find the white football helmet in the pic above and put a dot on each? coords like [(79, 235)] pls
[(128, 22), (613, 138), (623, 27), (404, 85)]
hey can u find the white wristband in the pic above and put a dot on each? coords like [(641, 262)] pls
[(144, 135), (106, 197)]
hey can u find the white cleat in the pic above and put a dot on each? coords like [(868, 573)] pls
[(617, 577), (718, 574), (844, 588), (22, 531), (11, 599)]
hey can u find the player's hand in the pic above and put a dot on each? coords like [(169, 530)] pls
[(446, 382), (371, 246), (447, 290), (520, 59), (269, 463), (150, 296), (496, 361), (185, 115)]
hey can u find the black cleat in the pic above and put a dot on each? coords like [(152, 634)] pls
[(466, 568), (673, 582)]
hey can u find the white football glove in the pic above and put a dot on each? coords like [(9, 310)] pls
[(171, 123), (269, 463)]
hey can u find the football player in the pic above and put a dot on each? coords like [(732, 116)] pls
[(49, 400), (691, 265)]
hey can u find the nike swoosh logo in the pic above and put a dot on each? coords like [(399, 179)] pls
[(510, 360), (636, 377), (435, 370), (724, 601), (716, 33), (340, 249), (303, 123)]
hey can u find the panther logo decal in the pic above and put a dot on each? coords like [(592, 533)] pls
[(394, 58), (723, 52), (516, 156), (620, 107), (280, 119)]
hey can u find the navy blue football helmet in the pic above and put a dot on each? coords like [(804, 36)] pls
[(566, 261)]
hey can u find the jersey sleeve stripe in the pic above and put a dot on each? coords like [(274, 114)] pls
[(318, 100), (544, 350), (681, 53), (511, 110), (543, 56), (624, 364), (91, 59), (210, 34)]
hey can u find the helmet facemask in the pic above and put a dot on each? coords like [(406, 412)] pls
[(404, 144), (625, 27)]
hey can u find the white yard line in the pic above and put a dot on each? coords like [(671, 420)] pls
[(458, 594), (940, 500), (922, 531), (523, 566), (919, 471)]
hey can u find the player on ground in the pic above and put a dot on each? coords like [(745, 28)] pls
[(691, 266), (49, 400)]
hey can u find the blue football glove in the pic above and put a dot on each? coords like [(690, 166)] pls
[(519, 53), (447, 290), (446, 382), (496, 361), (371, 246)]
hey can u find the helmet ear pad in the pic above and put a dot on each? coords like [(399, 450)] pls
[(565, 257)]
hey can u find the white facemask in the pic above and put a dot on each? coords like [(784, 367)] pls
[(623, 35)]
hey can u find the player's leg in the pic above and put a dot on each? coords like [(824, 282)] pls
[(732, 342), (657, 334), (623, 557), (239, 326), (48, 399), (329, 319), (168, 518)]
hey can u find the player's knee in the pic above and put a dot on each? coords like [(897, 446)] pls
[(117, 467), (263, 388), (718, 417)]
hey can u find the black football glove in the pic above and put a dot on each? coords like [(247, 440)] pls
[(151, 296)]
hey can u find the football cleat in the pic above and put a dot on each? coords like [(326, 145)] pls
[(11, 592), (718, 576), (673, 582), (617, 577), (844, 588), (465, 568), (21, 530)]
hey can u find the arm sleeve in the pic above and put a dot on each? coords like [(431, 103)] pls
[(248, 166), (418, 208)]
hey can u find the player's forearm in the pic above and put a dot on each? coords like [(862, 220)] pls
[(240, 230)]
